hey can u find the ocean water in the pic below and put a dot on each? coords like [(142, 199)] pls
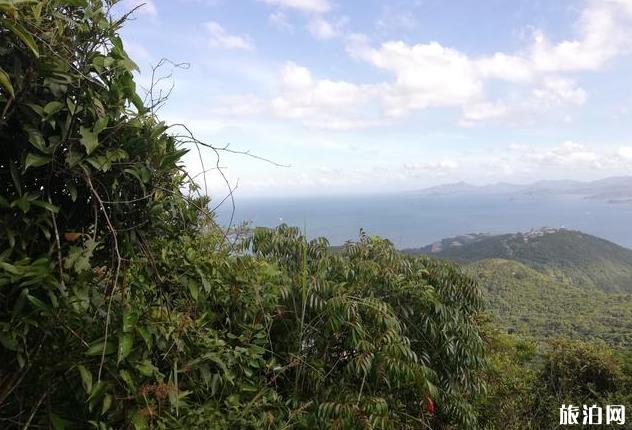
[(411, 221)]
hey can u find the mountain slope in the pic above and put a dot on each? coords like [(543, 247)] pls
[(533, 303), (570, 257)]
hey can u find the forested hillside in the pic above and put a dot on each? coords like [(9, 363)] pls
[(568, 256), (529, 302), (549, 282)]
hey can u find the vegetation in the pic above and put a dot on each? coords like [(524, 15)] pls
[(550, 283), (529, 382), (536, 304), (569, 256), (123, 304)]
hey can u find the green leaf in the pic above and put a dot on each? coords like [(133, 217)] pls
[(53, 107), (101, 163), (107, 403), (57, 422), (129, 321), (9, 268), (139, 421), (79, 257), (127, 377), (34, 160), (138, 103), (23, 203), (38, 303), (5, 82), (126, 343), (97, 390), (205, 283), (100, 125), (8, 342), (97, 349), (86, 378), (37, 109), (48, 206), (36, 139), (72, 189), (146, 368), (193, 289), (22, 34), (89, 139), (144, 333)]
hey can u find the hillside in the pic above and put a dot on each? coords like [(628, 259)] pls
[(533, 303), (569, 257)]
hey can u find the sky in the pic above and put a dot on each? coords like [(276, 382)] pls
[(383, 96)]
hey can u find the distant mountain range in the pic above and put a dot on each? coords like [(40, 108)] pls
[(549, 282), (613, 190)]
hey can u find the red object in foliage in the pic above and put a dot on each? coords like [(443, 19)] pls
[(430, 406)]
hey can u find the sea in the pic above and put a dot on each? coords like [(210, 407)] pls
[(411, 221)]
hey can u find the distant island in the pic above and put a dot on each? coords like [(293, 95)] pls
[(615, 190)]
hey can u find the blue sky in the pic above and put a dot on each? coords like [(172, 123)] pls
[(380, 95)]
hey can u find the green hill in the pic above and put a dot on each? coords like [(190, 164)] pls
[(569, 257), (533, 303)]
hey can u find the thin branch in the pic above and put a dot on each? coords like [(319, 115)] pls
[(39, 402), (116, 273), (190, 138)]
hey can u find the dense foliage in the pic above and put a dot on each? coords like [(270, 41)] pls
[(529, 383), (540, 305), (122, 304)]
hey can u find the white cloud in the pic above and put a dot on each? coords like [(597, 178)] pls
[(436, 166), (526, 84), (240, 105), (320, 102), (425, 75), (569, 155), (484, 111), (625, 152), (430, 74), (280, 20), (220, 38), (317, 6), (324, 29), (505, 67), (556, 91)]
